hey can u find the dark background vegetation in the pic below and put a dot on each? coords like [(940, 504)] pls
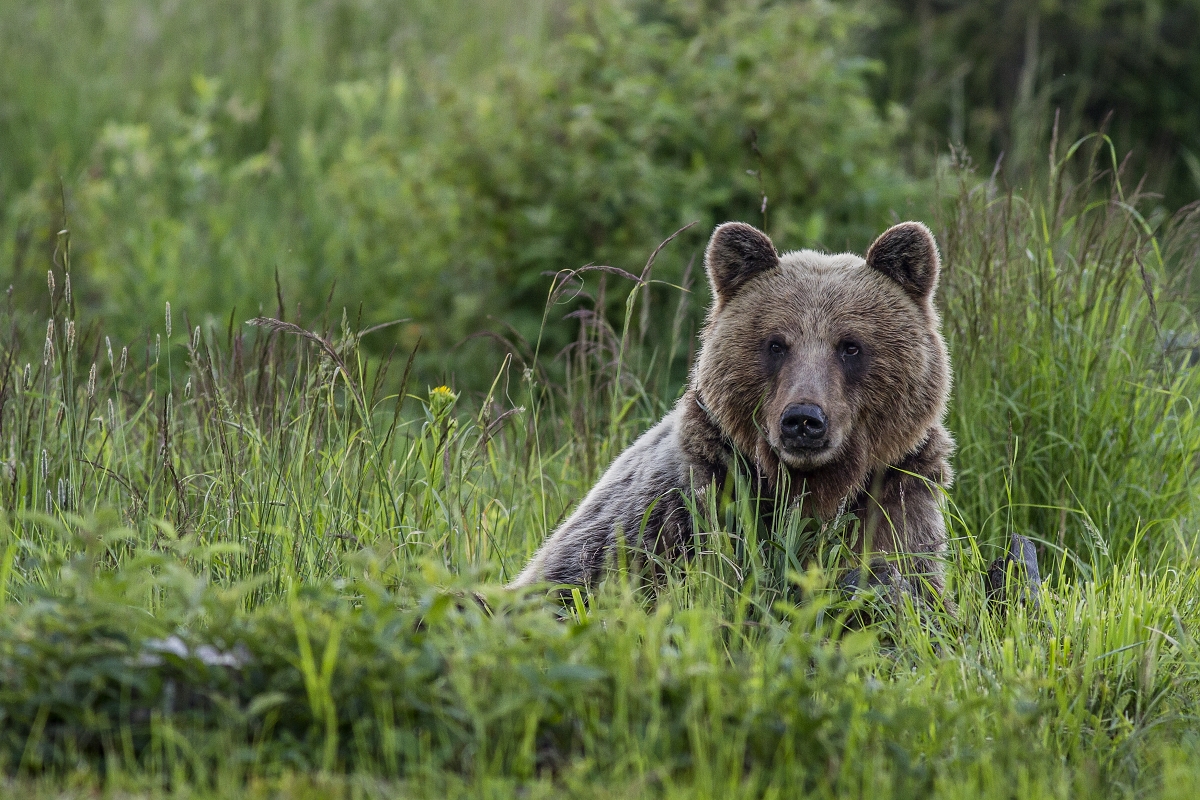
[(433, 162), (991, 75)]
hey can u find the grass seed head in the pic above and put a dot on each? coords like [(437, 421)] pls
[(48, 350)]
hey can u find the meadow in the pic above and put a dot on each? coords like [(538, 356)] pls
[(233, 560), (323, 314)]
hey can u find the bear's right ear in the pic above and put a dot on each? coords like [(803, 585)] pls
[(736, 253)]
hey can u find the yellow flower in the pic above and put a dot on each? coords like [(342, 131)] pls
[(441, 400)]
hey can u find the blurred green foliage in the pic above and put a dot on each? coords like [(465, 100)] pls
[(433, 163), (433, 178)]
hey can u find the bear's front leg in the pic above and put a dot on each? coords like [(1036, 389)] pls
[(638, 499), (902, 512)]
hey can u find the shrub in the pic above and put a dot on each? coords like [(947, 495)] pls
[(441, 194)]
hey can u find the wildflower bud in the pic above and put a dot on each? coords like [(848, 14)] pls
[(441, 401), (91, 384), (168, 320)]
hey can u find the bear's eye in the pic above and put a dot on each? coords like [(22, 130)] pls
[(850, 349), (776, 348)]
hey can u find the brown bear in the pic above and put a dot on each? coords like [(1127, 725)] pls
[(829, 368)]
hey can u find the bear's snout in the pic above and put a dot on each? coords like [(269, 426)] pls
[(804, 425)]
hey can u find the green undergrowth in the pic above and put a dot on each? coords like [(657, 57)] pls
[(252, 559), (417, 682)]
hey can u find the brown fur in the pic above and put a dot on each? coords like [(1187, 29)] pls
[(860, 339)]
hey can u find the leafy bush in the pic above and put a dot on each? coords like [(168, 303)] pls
[(440, 197)]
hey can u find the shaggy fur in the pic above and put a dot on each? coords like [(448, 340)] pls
[(858, 339)]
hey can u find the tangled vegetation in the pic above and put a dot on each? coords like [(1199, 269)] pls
[(235, 556)]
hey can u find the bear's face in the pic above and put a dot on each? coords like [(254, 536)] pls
[(823, 363)]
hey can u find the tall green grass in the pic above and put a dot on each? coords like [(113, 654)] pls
[(323, 525), (1073, 335)]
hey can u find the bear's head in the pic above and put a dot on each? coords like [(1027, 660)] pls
[(828, 365)]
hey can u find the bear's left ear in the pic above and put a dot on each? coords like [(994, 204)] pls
[(735, 254), (907, 254)]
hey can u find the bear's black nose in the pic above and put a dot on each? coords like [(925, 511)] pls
[(804, 422)]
